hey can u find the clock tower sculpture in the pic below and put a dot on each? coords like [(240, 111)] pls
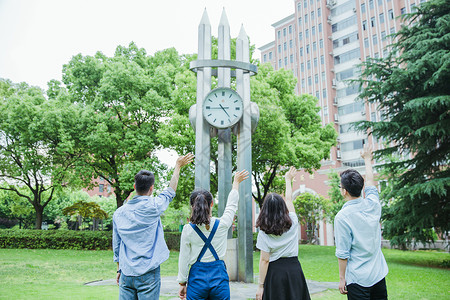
[(221, 112)]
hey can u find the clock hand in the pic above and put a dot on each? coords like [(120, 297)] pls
[(224, 110)]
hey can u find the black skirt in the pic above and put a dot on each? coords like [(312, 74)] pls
[(285, 280)]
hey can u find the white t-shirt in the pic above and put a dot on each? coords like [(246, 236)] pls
[(285, 245)]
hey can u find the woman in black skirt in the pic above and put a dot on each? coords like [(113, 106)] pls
[(280, 274)]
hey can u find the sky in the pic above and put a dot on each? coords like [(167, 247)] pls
[(37, 37)]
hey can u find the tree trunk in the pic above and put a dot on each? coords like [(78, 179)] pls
[(39, 211)]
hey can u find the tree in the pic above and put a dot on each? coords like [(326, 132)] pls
[(85, 210), (412, 91), (336, 198), (125, 99), (34, 148), (311, 209)]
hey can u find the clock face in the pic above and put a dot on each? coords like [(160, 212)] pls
[(222, 107)]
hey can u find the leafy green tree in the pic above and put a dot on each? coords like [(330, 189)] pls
[(125, 99), (34, 144), (336, 198), (85, 210), (311, 209), (412, 91)]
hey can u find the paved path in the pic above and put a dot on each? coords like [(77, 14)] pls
[(239, 290)]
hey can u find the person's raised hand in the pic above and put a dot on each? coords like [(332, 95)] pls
[(184, 160), (240, 176), (290, 174), (367, 152)]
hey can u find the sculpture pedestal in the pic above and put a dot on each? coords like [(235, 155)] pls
[(231, 259)]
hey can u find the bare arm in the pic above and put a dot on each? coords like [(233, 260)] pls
[(181, 162), (288, 195), (342, 282), (263, 266), (366, 154)]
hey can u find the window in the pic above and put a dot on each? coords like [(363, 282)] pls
[(319, 12), (392, 30), (323, 76), (309, 81), (291, 58), (306, 18), (307, 49), (413, 7), (285, 60), (373, 116), (320, 27), (317, 94), (353, 145), (284, 46), (383, 35), (313, 30), (324, 93), (350, 90), (290, 28), (265, 57), (303, 83), (391, 14), (372, 21), (308, 64), (279, 48), (347, 39), (344, 24), (279, 34), (364, 25), (385, 52), (315, 62), (312, 16), (300, 21), (279, 63), (270, 55), (300, 36), (307, 33), (403, 11), (351, 108), (101, 188), (366, 43), (314, 46), (284, 31), (352, 54), (363, 8), (305, 4), (375, 39), (371, 4), (344, 128), (321, 44), (325, 110), (290, 44), (302, 67), (343, 8), (299, 6), (381, 18), (349, 73), (316, 79), (301, 51), (322, 60)]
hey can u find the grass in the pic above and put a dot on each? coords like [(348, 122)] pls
[(60, 274)]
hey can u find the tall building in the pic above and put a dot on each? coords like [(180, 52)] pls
[(322, 43)]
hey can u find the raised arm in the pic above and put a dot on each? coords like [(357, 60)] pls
[(181, 162), (288, 194), (366, 154), (233, 198)]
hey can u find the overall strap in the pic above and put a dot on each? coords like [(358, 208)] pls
[(207, 240)]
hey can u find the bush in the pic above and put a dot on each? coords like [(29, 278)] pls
[(56, 239), (173, 240)]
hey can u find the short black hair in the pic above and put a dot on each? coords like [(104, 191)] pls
[(143, 181), (352, 181), (274, 215)]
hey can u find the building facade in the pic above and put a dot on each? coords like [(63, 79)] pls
[(323, 43)]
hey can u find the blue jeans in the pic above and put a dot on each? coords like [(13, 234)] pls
[(146, 286)]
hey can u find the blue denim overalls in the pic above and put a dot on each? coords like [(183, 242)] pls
[(208, 280)]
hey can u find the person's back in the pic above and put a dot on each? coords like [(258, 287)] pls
[(362, 267)]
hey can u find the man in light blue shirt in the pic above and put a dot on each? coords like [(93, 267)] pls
[(138, 237), (357, 231)]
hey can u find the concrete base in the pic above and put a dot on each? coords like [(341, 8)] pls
[(231, 259)]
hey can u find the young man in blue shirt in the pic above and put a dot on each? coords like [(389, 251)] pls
[(138, 237), (357, 231)]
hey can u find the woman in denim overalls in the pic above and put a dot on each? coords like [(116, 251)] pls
[(204, 244)]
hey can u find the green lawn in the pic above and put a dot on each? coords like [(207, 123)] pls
[(60, 274)]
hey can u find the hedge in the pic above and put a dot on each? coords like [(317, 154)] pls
[(70, 239)]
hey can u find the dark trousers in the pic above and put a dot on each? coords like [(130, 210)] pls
[(377, 291), (208, 280)]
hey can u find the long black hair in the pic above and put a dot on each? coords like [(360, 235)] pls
[(200, 201), (274, 215)]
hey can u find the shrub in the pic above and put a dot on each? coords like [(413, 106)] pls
[(173, 240)]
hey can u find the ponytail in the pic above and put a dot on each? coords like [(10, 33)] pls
[(201, 206)]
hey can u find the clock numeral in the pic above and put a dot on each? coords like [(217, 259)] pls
[(209, 100), (238, 108), (229, 121), (208, 107), (221, 122), (215, 120), (231, 96), (235, 115), (209, 115), (235, 101), (215, 95), (223, 93)]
